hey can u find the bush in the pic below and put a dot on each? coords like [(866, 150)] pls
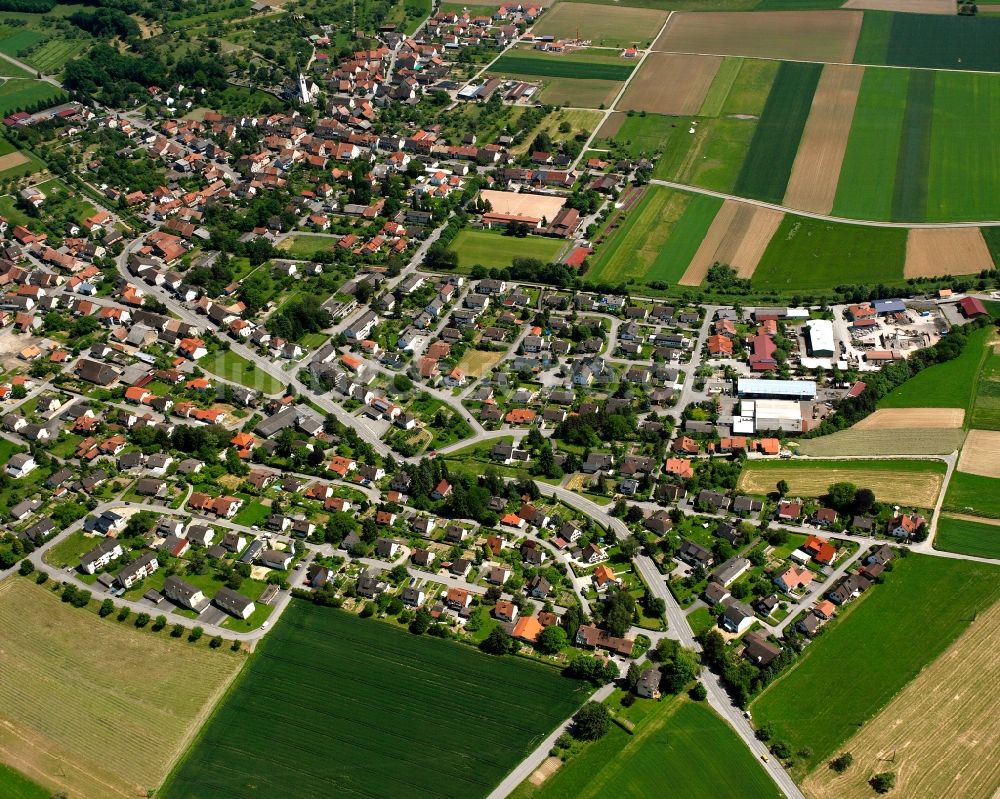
[(177, 631), (884, 782), (159, 623), (195, 634), (591, 722), (698, 692), (781, 749), (123, 614), (142, 620), (107, 608), (216, 642), (41, 578), (765, 733), (26, 567), (841, 763)]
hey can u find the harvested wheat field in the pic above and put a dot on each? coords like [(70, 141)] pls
[(11, 160), (886, 441), (902, 418), (813, 183), (904, 6), (671, 84), (981, 453), (941, 733), (793, 35), (932, 252), (738, 236), (611, 125), (94, 707), (915, 483), (523, 204)]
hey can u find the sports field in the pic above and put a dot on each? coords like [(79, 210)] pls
[(492, 249), (681, 743), (910, 482), (974, 494), (935, 733), (768, 164), (602, 25), (581, 65), (332, 704), (812, 255), (951, 384), (924, 605), (968, 535), (93, 707)]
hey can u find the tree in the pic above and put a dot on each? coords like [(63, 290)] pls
[(159, 623), (142, 620), (782, 487), (26, 567), (216, 642), (107, 608), (551, 640), (177, 631), (884, 782), (402, 383), (619, 612), (842, 762), (195, 634), (632, 676), (421, 622), (698, 692), (591, 722), (498, 642), (123, 613), (864, 500), (841, 496)]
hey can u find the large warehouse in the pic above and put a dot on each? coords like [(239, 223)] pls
[(755, 388), (757, 416), (820, 333)]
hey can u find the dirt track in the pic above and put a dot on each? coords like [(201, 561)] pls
[(816, 171), (946, 251), (940, 735), (906, 418), (671, 84), (981, 453), (738, 236)]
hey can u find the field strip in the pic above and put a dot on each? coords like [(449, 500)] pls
[(903, 6), (920, 489), (12, 160), (936, 733), (961, 251), (981, 453), (738, 236), (884, 441), (906, 418), (816, 170), (671, 84), (966, 517)]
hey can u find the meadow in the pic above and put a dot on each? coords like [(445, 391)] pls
[(923, 606), (968, 537), (951, 384), (17, 93), (355, 706), (578, 92), (306, 245), (491, 249), (78, 720), (641, 134), (973, 493), (14, 785), (232, 366), (911, 482), (582, 66), (678, 743), (986, 406), (711, 156), (605, 26), (812, 255), (768, 164)]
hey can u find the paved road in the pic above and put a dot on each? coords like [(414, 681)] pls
[(30, 70)]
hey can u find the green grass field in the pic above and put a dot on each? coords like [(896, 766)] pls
[(645, 134), (869, 167), (13, 40), (237, 369), (305, 245), (972, 493), (722, 85), (604, 26), (14, 785), (576, 92), (943, 42), (751, 88), (844, 677), (768, 164), (353, 706), (52, 56), (968, 537), (951, 384), (678, 743), (909, 195), (526, 62), (873, 41), (711, 156), (19, 93), (986, 406), (812, 255), (492, 249)]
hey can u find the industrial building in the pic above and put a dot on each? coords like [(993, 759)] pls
[(820, 336), (756, 388), (757, 416)]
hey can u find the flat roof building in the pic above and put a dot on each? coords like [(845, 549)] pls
[(755, 388), (820, 333)]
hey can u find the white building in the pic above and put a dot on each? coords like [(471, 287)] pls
[(820, 335), (767, 414)]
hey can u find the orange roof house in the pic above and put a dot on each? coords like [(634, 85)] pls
[(521, 416), (681, 467), (604, 575), (527, 629), (822, 550)]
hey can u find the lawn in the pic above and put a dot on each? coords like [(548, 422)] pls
[(679, 743), (924, 605), (352, 702), (768, 163), (234, 367), (973, 493), (492, 249), (305, 246), (572, 65), (869, 168), (951, 384), (68, 551), (968, 537), (604, 26), (912, 482), (14, 785), (812, 255), (700, 620), (252, 513), (92, 707)]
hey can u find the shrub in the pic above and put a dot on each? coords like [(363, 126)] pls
[(41, 578), (195, 634), (142, 620), (216, 642), (107, 608), (698, 692), (884, 782), (781, 749), (26, 567), (841, 763)]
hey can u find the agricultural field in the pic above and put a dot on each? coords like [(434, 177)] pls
[(951, 384), (867, 442), (946, 251), (914, 483), (722, 85), (930, 41), (924, 605), (768, 164), (52, 56), (739, 235), (906, 418), (935, 733), (17, 93), (358, 704), (578, 92), (580, 64), (794, 35), (679, 743), (491, 249), (668, 83), (709, 155), (968, 535), (79, 721), (604, 26), (986, 407), (640, 134), (14, 785), (813, 181), (13, 164), (15, 39), (974, 494), (812, 255), (657, 240), (579, 120)]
